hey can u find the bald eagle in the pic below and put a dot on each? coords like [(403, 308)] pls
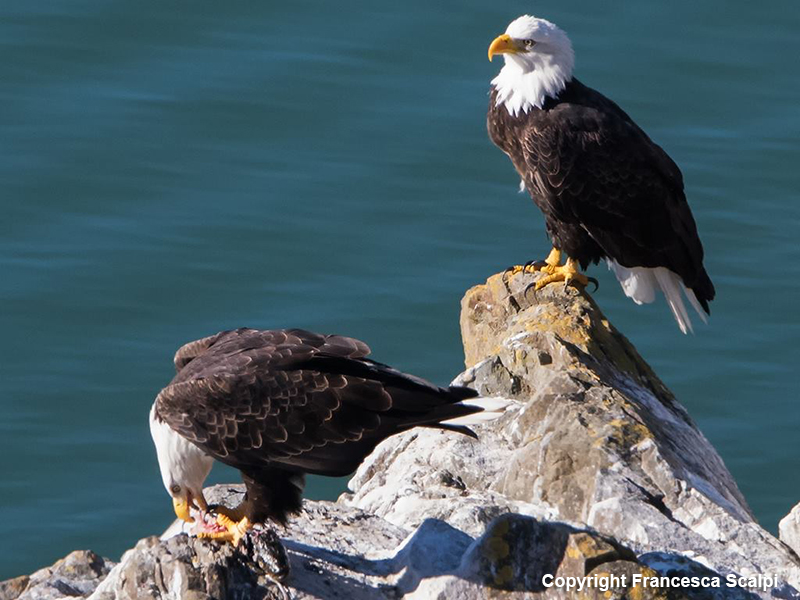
[(607, 191), (279, 404)]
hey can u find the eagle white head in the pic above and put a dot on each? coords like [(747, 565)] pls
[(184, 467), (539, 62)]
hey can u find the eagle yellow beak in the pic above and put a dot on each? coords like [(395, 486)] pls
[(183, 503), (181, 506), (503, 44)]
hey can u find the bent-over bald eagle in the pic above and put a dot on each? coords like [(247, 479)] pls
[(606, 190), (279, 404)]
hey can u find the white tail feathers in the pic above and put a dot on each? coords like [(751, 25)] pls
[(640, 285), (492, 408)]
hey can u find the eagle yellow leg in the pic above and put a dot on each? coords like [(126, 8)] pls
[(567, 273), (234, 514), (552, 262), (234, 530)]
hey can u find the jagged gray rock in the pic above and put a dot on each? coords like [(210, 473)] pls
[(601, 440), (334, 551), (596, 469), (74, 576), (789, 529)]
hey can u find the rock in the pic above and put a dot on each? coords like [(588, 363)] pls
[(13, 588), (595, 470), (76, 575), (598, 442), (334, 552), (789, 529), (341, 552)]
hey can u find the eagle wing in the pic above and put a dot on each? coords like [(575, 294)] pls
[(282, 398), (591, 165), (192, 350)]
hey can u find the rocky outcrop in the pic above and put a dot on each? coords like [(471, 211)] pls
[(595, 470), (75, 576), (789, 529), (598, 442), (334, 551)]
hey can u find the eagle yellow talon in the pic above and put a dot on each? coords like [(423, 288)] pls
[(553, 262), (234, 530), (529, 268), (550, 265), (567, 273)]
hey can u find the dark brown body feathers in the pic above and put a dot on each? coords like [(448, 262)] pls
[(278, 404), (605, 188)]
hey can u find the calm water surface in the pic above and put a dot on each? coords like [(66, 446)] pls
[(174, 169)]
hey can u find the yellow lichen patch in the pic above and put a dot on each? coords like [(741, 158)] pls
[(520, 355), (504, 575), (497, 548), (641, 592), (564, 326), (629, 433), (496, 552), (583, 545), (501, 528)]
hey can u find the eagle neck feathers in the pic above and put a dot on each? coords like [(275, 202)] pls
[(519, 90)]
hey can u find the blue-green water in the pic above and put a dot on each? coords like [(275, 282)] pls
[(172, 169)]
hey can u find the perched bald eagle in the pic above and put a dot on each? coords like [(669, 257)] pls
[(279, 404), (606, 190)]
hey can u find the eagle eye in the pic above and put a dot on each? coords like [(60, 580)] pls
[(529, 43), (176, 489)]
